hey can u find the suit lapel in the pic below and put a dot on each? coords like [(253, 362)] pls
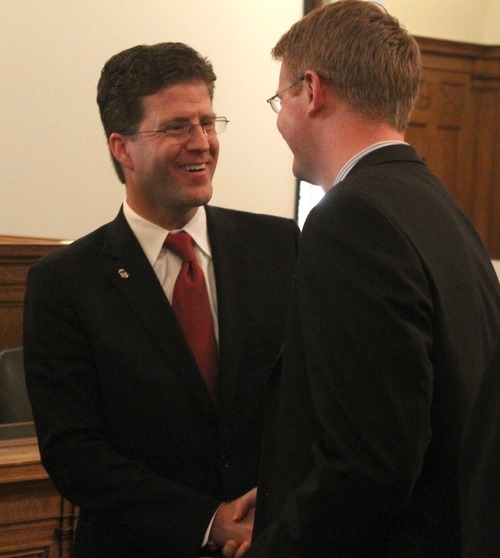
[(230, 259), (129, 270)]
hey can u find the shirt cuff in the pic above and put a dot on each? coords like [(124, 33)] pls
[(206, 538)]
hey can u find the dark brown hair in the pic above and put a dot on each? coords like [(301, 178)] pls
[(143, 70)]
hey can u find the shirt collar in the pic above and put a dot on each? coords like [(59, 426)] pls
[(197, 228), (151, 237), (344, 171)]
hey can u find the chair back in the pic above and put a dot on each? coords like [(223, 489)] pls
[(14, 403)]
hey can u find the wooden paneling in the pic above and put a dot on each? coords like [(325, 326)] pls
[(17, 254), (455, 124), (444, 128), (35, 521)]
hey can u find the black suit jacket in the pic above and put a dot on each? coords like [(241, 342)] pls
[(480, 469), (394, 310), (126, 427)]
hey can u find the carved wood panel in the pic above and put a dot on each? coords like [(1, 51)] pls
[(455, 124), (441, 129)]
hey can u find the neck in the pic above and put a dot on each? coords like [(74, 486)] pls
[(346, 136), (170, 219)]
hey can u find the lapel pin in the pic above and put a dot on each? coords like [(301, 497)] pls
[(123, 273)]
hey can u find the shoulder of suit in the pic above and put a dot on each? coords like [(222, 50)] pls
[(75, 249)]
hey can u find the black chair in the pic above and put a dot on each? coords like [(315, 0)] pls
[(14, 403)]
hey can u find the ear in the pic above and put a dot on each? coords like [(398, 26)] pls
[(315, 91), (118, 145)]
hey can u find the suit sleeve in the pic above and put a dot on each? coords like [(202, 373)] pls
[(356, 355), (73, 431), (480, 477)]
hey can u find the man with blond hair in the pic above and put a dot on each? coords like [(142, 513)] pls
[(394, 310)]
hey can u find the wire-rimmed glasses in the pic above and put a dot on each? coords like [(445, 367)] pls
[(275, 100), (182, 130)]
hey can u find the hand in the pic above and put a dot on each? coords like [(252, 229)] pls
[(244, 505), (233, 525), (232, 549)]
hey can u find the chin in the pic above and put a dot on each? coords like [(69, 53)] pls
[(301, 174), (202, 195)]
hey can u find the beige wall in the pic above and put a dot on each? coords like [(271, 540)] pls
[(56, 179), (496, 265), (472, 21)]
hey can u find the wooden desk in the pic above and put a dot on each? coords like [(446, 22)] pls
[(35, 521)]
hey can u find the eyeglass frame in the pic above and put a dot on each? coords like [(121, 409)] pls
[(275, 99), (187, 127)]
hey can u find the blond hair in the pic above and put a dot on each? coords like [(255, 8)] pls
[(362, 52)]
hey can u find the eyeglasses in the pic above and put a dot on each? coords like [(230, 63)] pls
[(275, 100), (183, 130)]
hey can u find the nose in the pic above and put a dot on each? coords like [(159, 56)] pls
[(198, 139)]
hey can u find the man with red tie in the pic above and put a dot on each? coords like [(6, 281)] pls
[(148, 342)]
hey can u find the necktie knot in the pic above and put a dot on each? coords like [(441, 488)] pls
[(181, 244)]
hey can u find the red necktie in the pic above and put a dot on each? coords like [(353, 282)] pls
[(191, 305)]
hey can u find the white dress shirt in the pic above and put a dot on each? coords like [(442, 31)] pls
[(165, 263)]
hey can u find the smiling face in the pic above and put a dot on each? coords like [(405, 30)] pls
[(168, 178)]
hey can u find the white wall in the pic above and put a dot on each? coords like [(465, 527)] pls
[(472, 21), (56, 179), (496, 265)]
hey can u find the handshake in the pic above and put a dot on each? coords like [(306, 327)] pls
[(233, 525)]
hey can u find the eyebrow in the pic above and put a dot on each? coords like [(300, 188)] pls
[(175, 119)]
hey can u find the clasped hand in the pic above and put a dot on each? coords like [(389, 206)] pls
[(233, 525)]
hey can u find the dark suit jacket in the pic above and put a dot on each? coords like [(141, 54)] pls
[(394, 310), (480, 469), (126, 427)]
